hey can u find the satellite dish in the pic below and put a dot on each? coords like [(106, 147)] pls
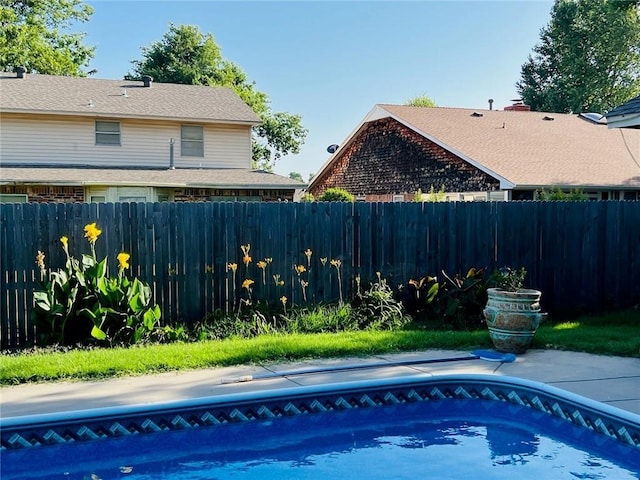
[(332, 148)]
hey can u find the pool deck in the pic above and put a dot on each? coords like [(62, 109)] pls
[(614, 381)]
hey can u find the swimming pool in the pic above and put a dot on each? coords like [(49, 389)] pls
[(439, 427)]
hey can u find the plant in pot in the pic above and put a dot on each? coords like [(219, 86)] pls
[(512, 313)]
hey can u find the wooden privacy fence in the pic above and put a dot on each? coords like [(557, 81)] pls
[(584, 256)]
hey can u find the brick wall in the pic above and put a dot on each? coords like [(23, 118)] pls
[(47, 194), (388, 159), (51, 194), (204, 194)]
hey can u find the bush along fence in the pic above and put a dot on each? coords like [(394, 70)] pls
[(196, 258)]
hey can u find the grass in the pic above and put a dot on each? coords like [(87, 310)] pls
[(613, 334)]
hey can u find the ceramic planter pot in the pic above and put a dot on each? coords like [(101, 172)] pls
[(513, 318)]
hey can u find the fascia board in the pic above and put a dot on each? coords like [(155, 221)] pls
[(348, 140), (622, 121), (90, 114)]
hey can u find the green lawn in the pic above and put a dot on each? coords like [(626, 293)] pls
[(615, 334)]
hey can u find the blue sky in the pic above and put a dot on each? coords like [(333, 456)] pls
[(331, 62)]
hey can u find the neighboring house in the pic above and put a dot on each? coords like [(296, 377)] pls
[(481, 155), (70, 139), (626, 115)]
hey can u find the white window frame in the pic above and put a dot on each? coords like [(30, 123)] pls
[(14, 198), (191, 146), (103, 134)]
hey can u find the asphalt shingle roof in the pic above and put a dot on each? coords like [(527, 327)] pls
[(531, 148), (192, 178), (49, 94), (632, 106)]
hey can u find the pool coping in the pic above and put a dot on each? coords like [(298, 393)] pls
[(93, 424)]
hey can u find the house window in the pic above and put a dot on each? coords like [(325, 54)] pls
[(98, 198), (107, 133), (191, 141), (131, 198), (13, 198)]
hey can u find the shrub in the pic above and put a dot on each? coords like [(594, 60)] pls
[(336, 195), (433, 195), (508, 279), (557, 194), (307, 198)]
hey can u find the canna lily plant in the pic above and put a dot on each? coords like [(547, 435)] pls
[(81, 300)]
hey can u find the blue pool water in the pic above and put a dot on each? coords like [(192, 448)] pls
[(443, 437)]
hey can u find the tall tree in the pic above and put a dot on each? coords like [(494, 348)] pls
[(295, 176), (187, 56), (588, 58), (34, 34), (421, 101)]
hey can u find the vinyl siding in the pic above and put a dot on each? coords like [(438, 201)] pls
[(36, 140)]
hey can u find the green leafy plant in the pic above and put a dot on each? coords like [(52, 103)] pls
[(307, 198), (433, 195), (81, 301), (418, 296), (508, 279), (557, 194), (377, 308), (461, 299)]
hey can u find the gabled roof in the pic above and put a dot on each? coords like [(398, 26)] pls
[(523, 149), (191, 178), (49, 94), (626, 115)]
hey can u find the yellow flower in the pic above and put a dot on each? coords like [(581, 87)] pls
[(416, 283), (92, 232), (300, 269), (123, 260), (283, 299), (232, 266), (323, 260), (245, 249), (246, 259), (65, 243), (247, 283), (336, 263), (262, 264), (40, 260)]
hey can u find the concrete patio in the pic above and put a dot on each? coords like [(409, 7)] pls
[(614, 381)]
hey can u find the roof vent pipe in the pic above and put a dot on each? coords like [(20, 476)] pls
[(171, 144), (147, 79), (20, 71), (491, 104)]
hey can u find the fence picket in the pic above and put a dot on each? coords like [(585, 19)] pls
[(582, 255)]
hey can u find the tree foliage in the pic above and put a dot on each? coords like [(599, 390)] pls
[(588, 58), (187, 56), (421, 101), (296, 176), (31, 36)]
